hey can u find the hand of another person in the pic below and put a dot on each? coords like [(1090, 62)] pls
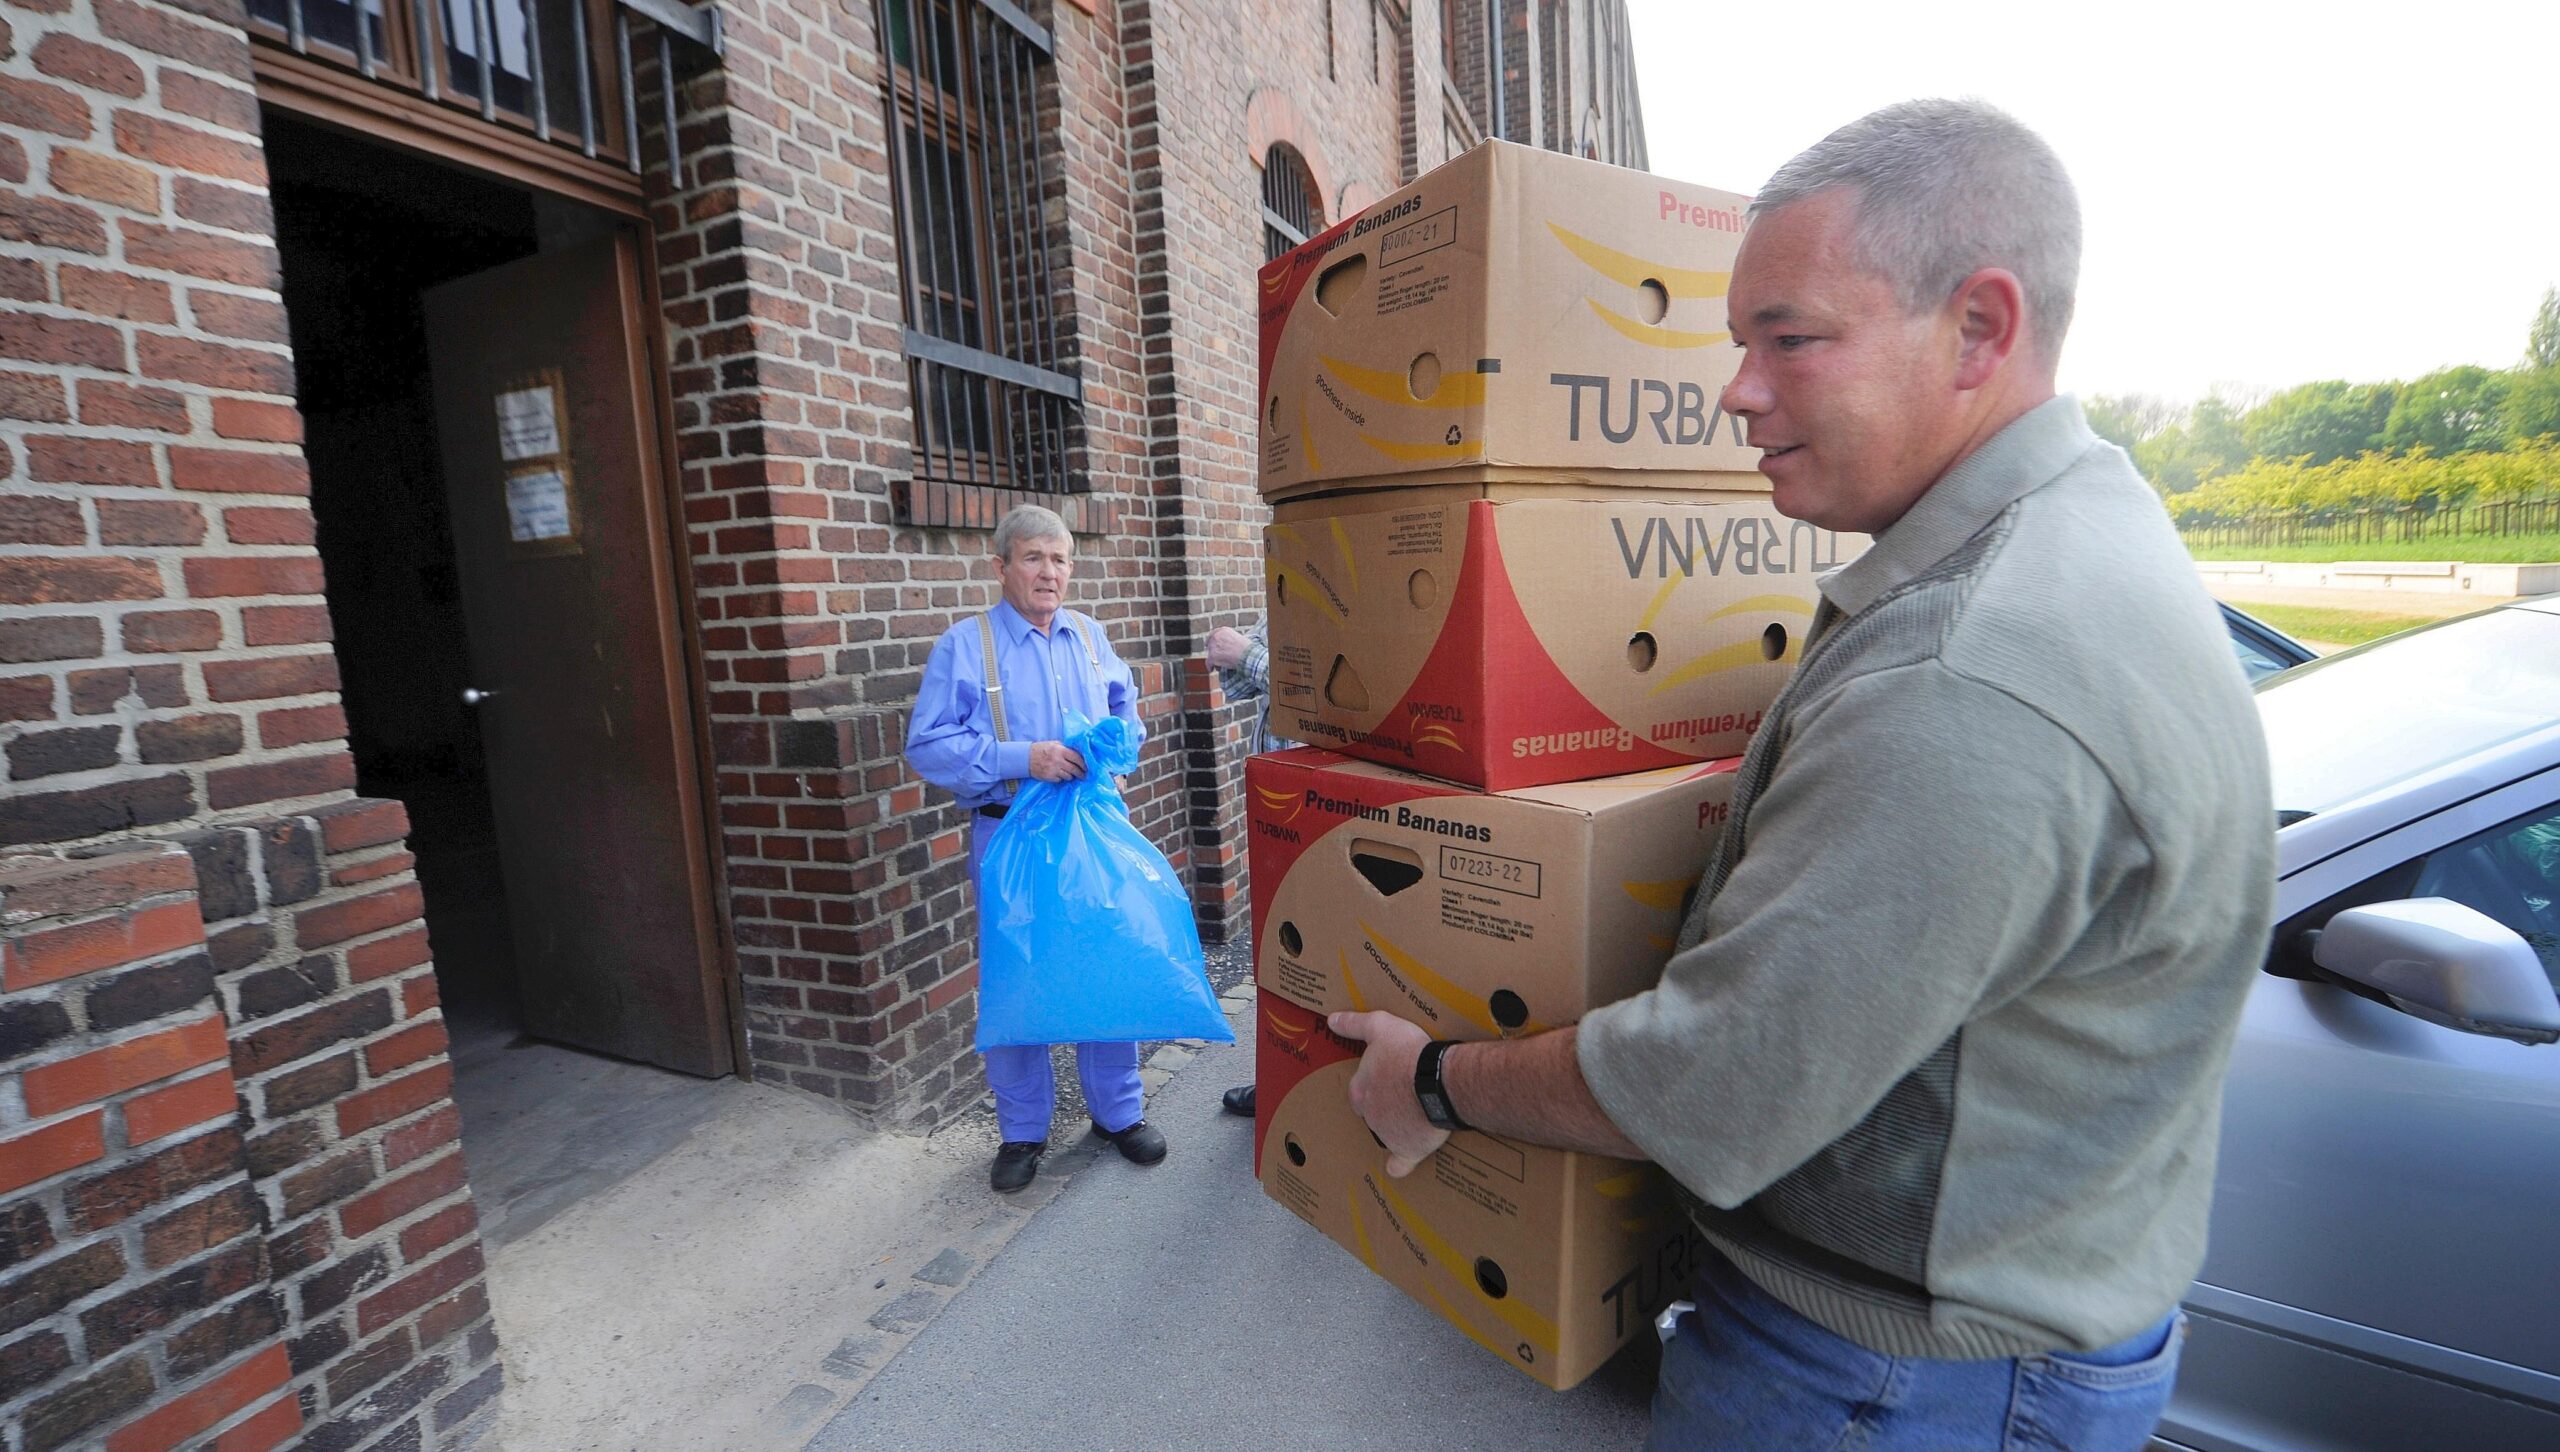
[(1227, 647), (1055, 761), (1382, 1087)]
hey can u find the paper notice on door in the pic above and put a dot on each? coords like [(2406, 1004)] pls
[(528, 423), (538, 506)]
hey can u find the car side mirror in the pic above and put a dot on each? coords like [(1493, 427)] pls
[(2438, 960)]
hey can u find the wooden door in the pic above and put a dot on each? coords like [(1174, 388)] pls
[(561, 536)]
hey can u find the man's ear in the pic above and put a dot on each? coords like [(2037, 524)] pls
[(1991, 316)]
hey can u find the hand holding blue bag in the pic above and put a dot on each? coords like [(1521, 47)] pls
[(1088, 936)]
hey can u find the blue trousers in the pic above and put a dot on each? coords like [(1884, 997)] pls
[(1026, 1087), (1747, 1373)]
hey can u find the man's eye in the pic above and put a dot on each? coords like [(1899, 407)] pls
[(1791, 340)]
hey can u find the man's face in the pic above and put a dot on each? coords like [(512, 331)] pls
[(1852, 399), (1035, 577)]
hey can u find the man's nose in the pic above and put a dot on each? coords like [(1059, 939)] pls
[(1747, 395)]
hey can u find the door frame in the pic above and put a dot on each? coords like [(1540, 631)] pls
[(377, 116)]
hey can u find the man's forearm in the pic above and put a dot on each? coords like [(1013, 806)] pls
[(1532, 1089)]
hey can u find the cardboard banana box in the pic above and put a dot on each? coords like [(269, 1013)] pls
[(1475, 915), (1516, 310), (1547, 1259), (1509, 643)]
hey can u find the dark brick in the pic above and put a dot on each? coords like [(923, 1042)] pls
[(316, 1348), (394, 1401), (96, 811), (48, 1288), (28, 1026), (129, 1189), (249, 1322), (194, 1228), (224, 887), (112, 1325), (292, 853), (52, 753), (296, 1090), (471, 1396), (330, 1288), (25, 1233), (301, 1248), (332, 1179), (51, 637), (30, 1362), (354, 1373), (94, 693), (235, 948), (56, 1418), (289, 985), (810, 745), (304, 1034), (188, 738), (139, 995)]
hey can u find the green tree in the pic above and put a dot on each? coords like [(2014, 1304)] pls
[(2542, 341), (2533, 404), (2449, 411), (2321, 421), (2127, 420)]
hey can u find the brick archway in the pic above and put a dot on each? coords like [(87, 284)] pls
[(1272, 117)]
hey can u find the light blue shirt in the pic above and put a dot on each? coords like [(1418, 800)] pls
[(951, 737)]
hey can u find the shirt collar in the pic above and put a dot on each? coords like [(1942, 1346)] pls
[(2036, 447), (1016, 629)]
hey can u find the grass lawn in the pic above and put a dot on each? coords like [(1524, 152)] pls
[(2316, 624), (2473, 549)]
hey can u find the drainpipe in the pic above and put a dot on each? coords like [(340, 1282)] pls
[(1493, 36)]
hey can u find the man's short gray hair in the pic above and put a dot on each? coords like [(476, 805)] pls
[(1946, 188), (1029, 521)]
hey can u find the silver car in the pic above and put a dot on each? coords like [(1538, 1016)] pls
[(2385, 1262)]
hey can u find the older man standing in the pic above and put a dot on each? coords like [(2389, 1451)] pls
[(1938, 1062), (991, 711)]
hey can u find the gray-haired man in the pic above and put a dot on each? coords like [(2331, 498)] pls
[(1938, 1062)]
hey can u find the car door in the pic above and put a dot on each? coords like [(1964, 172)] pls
[(2384, 1250)]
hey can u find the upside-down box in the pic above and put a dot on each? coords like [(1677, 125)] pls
[(1510, 643), (1515, 311), (1476, 915), (1548, 1259)]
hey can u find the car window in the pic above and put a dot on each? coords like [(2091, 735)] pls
[(2511, 872), (2254, 663)]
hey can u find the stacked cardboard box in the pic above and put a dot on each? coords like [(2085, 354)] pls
[(1527, 592)]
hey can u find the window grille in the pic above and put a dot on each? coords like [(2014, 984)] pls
[(1291, 210), (994, 405), (557, 69)]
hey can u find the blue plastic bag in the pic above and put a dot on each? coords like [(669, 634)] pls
[(1086, 935)]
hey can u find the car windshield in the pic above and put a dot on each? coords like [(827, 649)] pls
[(2354, 723)]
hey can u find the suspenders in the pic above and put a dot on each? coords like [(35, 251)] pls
[(995, 678)]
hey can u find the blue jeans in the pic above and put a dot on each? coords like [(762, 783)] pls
[(1744, 1373)]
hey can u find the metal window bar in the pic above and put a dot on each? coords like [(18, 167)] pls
[(991, 405), (1291, 212)]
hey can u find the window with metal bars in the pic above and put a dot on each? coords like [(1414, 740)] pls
[(1291, 210), (993, 403)]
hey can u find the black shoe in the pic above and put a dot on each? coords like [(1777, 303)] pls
[(1016, 1163), (1140, 1144), (1239, 1101)]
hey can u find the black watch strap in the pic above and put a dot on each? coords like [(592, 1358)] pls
[(1428, 1088)]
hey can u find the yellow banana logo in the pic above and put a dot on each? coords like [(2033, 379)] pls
[(1298, 587), (1628, 270), (1466, 1005), (1307, 441), (1342, 547), (1455, 390), (1536, 1329), (1293, 1037), (1275, 798), (1662, 897), (1740, 654)]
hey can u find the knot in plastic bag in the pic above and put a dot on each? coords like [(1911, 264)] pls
[(1105, 745)]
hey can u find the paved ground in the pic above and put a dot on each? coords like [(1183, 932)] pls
[(1178, 1307)]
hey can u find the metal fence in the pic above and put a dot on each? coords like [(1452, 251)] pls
[(2403, 524)]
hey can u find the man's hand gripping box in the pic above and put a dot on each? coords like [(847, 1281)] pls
[(1516, 310), (1511, 643)]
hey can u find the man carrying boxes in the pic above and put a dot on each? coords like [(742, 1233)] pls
[(1936, 1066)]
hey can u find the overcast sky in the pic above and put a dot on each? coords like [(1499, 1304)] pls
[(2273, 193)]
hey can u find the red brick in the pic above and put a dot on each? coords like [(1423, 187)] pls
[(33, 398), (43, 106), (230, 576), (170, 630), (285, 625), (67, 952), (421, 1138), (60, 459), (234, 108), (201, 1225), (146, 137), (40, 339), (40, 520), (51, 1150), (272, 1426), (388, 956), (13, 170), (268, 526), (26, 698), (52, 1088), (66, 57), (397, 1051), (369, 1212), (180, 1106), (300, 726), (276, 781), (394, 1302), (390, 864), (160, 30), (173, 1423), (229, 315), (111, 1197), (240, 471), (418, 994), (115, 405), (234, 209), (147, 521), (52, 222), (437, 1231), (76, 580), (117, 182), (117, 295), (318, 927), (401, 1097), (242, 418), (212, 365), (208, 255), (62, 887), (453, 1313), (358, 825), (96, 692)]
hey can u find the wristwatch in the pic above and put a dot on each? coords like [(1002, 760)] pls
[(1428, 1088)]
